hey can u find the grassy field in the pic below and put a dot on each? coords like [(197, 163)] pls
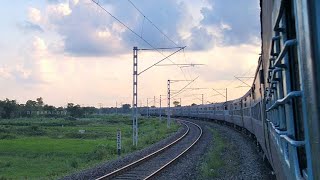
[(44, 148), (214, 159)]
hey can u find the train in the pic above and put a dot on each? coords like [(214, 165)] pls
[(281, 109)]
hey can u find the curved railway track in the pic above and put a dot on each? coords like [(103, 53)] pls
[(149, 166)]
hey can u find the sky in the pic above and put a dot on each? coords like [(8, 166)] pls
[(73, 51)]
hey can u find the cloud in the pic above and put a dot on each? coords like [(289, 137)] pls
[(238, 20), (28, 70), (34, 15), (5, 73), (201, 39), (52, 1), (89, 31), (28, 26)]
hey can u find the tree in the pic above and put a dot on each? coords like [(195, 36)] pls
[(176, 103), (8, 108), (31, 104), (193, 104), (75, 110), (40, 102), (126, 108)]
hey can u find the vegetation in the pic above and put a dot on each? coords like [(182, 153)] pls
[(176, 103), (48, 148), (12, 109), (214, 159)]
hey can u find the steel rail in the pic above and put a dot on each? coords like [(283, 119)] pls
[(145, 158), (177, 157)]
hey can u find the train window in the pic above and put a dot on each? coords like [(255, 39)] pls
[(256, 111), (288, 116), (261, 76)]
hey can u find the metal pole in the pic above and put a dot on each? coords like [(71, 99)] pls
[(226, 94), (135, 98), (168, 111), (202, 98), (147, 107), (160, 110)]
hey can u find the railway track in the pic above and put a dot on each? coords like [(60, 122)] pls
[(149, 166)]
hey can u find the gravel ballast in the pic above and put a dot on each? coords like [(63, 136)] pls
[(107, 167), (241, 159)]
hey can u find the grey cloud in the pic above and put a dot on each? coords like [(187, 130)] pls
[(242, 17), (78, 28), (79, 31), (28, 26), (53, 1), (201, 39)]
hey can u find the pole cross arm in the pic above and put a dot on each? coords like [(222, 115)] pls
[(218, 92), (161, 48), (182, 65), (242, 81), (161, 60), (176, 94)]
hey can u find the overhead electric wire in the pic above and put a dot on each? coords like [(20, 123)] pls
[(160, 61), (151, 22), (179, 92), (145, 17), (157, 49), (144, 40)]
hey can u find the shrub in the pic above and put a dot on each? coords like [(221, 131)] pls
[(7, 136), (74, 163), (102, 151)]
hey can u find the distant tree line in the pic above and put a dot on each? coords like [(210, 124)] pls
[(12, 109)]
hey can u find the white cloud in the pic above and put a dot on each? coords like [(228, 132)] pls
[(24, 73), (5, 73), (39, 47), (59, 10), (73, 2), (34, 15)]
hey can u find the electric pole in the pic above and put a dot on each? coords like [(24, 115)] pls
[(135, 87), (135, 98), (147, 107), (169, 96), (168, 99), (160, 110)]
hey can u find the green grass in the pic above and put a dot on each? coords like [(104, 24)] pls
[(214, 160), (43, 148)]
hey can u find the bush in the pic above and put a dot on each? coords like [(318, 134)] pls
[(5, 164), (70, 118), (74, 163), (7, 136), (102, 151)]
